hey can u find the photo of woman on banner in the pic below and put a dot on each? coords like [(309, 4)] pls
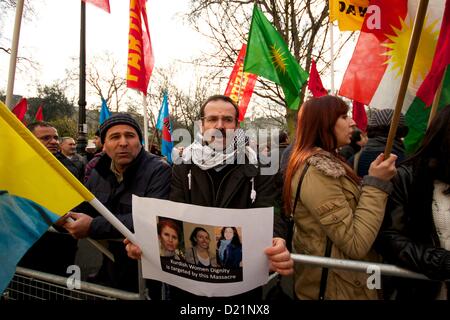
[(229, 248), (169, 235), (199, 254)]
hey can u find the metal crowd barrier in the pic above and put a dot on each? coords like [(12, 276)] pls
[(30, 284), (359, 266)]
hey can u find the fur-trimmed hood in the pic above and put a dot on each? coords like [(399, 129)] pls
[(328, 164)]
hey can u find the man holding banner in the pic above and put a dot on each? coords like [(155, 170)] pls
[(125, 169), (220, 170)]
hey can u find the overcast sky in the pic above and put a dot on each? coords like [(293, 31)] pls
[(51, 37)]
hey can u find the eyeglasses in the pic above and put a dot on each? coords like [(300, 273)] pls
[(48, 138), (215, 119)]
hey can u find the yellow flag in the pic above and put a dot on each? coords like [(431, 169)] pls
[(348, 13), (29, 170)]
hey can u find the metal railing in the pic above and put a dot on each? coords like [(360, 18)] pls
[(359, 266), (30, 284)]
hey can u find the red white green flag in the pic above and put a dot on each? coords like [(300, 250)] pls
[(418, 114), (375, 69)]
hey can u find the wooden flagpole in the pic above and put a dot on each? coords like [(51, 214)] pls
[(414, 43)]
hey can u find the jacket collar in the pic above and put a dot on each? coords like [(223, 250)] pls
[(327, 163), (104, 165)]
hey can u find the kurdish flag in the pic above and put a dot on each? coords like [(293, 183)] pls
[(268, 56), (374, 73), (419, 112), (35, 191)]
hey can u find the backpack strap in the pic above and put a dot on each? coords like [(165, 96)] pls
[(324, 276), (297, 193)]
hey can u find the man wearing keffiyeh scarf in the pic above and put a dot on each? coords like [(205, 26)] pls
[(220, 170)]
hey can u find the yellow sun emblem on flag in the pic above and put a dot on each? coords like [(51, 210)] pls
[(278, 58), (425, 51)]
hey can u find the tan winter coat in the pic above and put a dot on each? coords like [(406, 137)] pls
[(332, 204)]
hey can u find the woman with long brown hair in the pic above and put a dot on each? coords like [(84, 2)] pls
[(335, 213)]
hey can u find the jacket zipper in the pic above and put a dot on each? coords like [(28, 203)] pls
[(226, 175)]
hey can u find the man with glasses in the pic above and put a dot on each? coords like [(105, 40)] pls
[(53, 252), (48, 136), (220, 170)]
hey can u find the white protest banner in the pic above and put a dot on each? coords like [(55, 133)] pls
[(207, 251)]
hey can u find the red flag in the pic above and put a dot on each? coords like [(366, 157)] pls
[(441, 60), (140, 53), (359, 115), (315, 84), (241, 84), (102, 4), (20, 109), (39, 115)]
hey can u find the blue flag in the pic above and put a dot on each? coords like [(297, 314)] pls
[(162, 111), (104, 112), (165, 127), (22, 223)]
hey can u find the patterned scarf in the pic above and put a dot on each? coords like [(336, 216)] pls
[(206, 157)]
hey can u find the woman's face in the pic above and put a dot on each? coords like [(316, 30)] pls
[(228, 233), (203, 240), (169, 238), (343, 130)]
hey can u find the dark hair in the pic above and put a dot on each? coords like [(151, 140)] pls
[(235, 240), (433, 155), (430, 162), (169, 223), (383, 131), (355, 138), (193, 237), (219, 97), (283, 137), (315, 128), (32, 126)]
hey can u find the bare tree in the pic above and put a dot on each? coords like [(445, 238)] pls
[(7, 7), (302, 24), (109, 84), (104, 78), (185, 104)]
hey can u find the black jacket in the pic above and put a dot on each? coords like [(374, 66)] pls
[(408, 239), (76, 169), (372, 150), (233, 191), (148, 176)]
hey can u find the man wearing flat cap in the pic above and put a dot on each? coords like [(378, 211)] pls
[(124, 169)]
